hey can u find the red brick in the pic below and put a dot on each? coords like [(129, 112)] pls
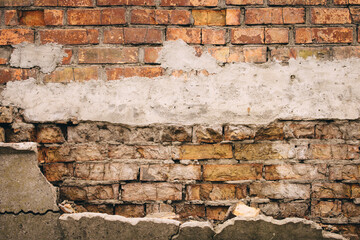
[(70, 74), (49, 134), (244, 2), (297, 2), (263, 16), (70, 36), (133, 35), (83, 17), (151, 191), (355, 14), (75, 3), (346, 52), (15, 74), (11, 17), (15, 3), (130, 211), (324, 35), (42, 3), (58, 171), (330, 190), (213, 36), (247, 35), (67, 59), (194, 3), (233, 16), (346, 2), (293, 15), (239, 54), (126, 2), (255, 55), (276, 35), (32, 18), (4, 55), (113, 16), (208, 151), (53, 17), (108, 55), (216, 212), (152, 16), (16, 36), (188, 35), (138, 71), (232, 172), (151, 54), (190, 210), (330, 16), (209, 17)]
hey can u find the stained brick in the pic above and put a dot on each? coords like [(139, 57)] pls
[(70, 36), (210, 192), (53, 17), (170, 172), (32, 18), (213, 36), (194, 3), (151, 54), (133, 35), (326, 209), (238, 132), (75, 3), (216, 212), (151, 191), (152, 16), (189, 35), (297, 2), (244, 2), (344, 172), (126, 2), (247, 35), (276, 35), (293, 15), (305, 172), (279, 190), (207, 134), (67, 59), (139, 71), (54, 154), (355, 14), (344, 53), (15, 3), (70, 74), (11, 17), (176, 134), (208, 151), (189, 210), (330, 190), (263, 151), (232, 172), (49, 134), (330, 16), (271, 132), (131, 211), (233, 16), (108, 55), (96, 17), (209, 17), (58, 171), (323, 35), (15, 74), (16, 36), (263, 16), (328, 131)]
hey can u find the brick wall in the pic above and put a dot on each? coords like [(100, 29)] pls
[(298, 168)]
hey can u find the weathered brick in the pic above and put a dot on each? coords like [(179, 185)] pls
[(156, 152), (132, 35), (4, 55), (209, 17), (16, 36), (355, 14), (143, 135), (344, 53), (151, 191), (73, 193), (108, 55), (111, 16), (307, 172), (297, 2), (99, 208), (285, 210), (330, 16), (170, 172), (129, 210), (344, 172), (15, 3), (190, 210), (211, 192), (176, 134), (15, 74), (238, 132), (355, 191), (32, 18), (2, 134), (244, 2), (326, 209), (49, 134), (21, 132), (138, 71), (70, 74), (323, 35), (333, 151), (88, 152), (233, 16), (247, 35), (151, 54), (328, 131), (270, 132), (330, 190), (6, 114), (75, 3), (350, 209), (122, 152), (156, 16), (58, 171), (188, 35), (194, 3), (158, 208), (70, 36), (279, 190), (232, 172), (208, 151), (293, 15), (239, 54), (263, 151), (96, 17), (42, 3), (300, 130), (213, 36), (67, 59), (53, 17), (106, 171), (263, 16), (284, 54), (276, 35), (207, 134), (53, 154), (11, 17), (216, 212), (126, 2)]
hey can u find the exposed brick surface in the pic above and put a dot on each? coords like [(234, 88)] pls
[(70, 36), (16, 36), (324, 35), (247, 35)]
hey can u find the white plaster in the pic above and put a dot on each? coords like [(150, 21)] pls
[(236, 93), (24, 146), (28, 55)]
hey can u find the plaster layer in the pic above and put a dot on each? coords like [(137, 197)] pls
[(236, 93)]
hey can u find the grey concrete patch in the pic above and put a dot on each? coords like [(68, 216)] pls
[(46, 56), (30, 226), (22, 185), (195, 230), (96, 226), (263, 227)]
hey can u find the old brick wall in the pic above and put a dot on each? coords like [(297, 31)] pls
[(308, 168)]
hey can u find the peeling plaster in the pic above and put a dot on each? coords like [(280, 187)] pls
[(236, 93)]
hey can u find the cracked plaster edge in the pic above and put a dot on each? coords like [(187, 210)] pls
[(23, 146)]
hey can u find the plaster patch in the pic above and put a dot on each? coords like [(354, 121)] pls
[(46, 56)]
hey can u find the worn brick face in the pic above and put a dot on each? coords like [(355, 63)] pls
[(247, 35), (263, 151), (108, 55), (279, 190), (15, 74), (170, 172), (232, 172), (53, 17), (188, 35), (295, 171), (70, 36), (323, 35), (208, 151), (149, 72), (151, 191), (276, 35), (330, 16), (330, 190), (16, 36)]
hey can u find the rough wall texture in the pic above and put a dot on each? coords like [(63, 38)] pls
[(129, 123)]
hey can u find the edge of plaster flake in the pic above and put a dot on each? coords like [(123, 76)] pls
[(24, 146), (197, 224)]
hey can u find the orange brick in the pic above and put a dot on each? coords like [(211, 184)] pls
[(188, 35), (330, 16), (207, 151), (126, 2), (194, 3), (57, 171), (138, 71), (244, 2), (67, 59), (232, 172), (346, 52), (15, 74), (293, 15), (213, 36), (233, 16), (15, 3), (72, 74), (16, 36), (263, 16), (276, 35), (216, 212), (255, 54), (108, 55), (32, 18), (323, 35), (42, 3), (53, 17), (133, 35), (130, 210), (113, 16), (11, 17), (84, 17), (75, 3), (247, 35), (346, 2), (239, 54), (212, 192), (151, 54), (297, 2), (151, 16), (355, 15), (70, 36), (4, 55), (209, 17)]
